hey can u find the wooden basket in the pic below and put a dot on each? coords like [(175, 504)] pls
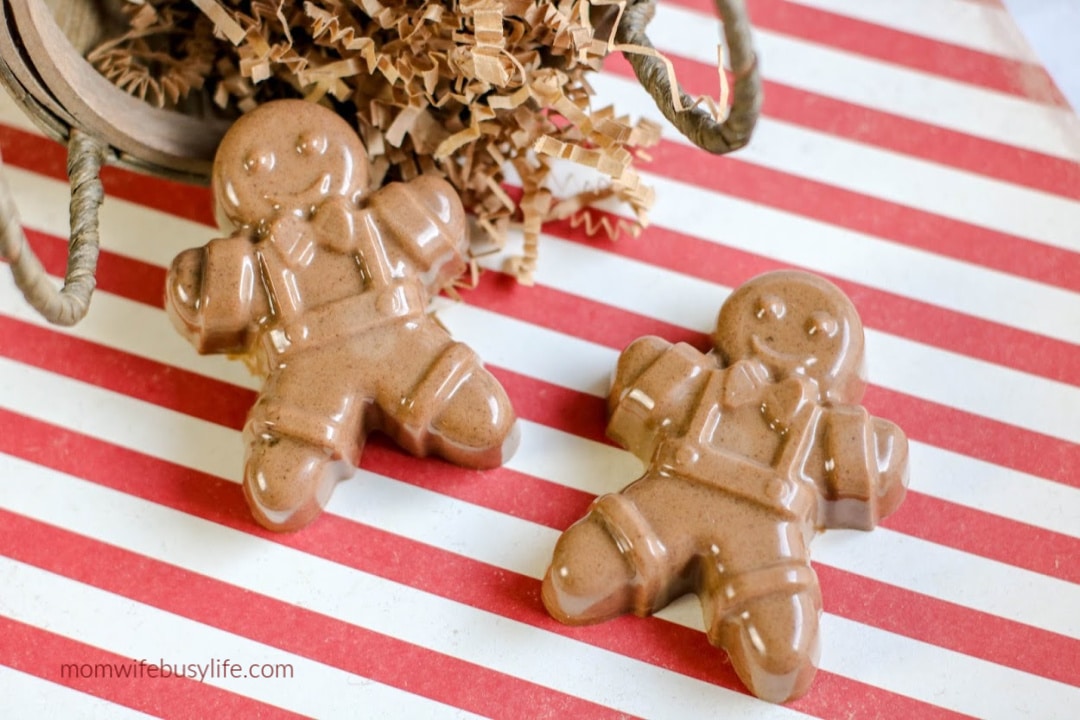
[(42, 65)]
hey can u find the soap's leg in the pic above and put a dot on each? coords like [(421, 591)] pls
[(772, 639), (303, 436), (609, 563), (452, 407), (287, 481), (589, 579)]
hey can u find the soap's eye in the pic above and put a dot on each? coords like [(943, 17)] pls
[(258, 161), (821, 324), (769, 307), (311, 144)]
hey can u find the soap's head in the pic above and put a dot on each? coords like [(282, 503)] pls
[(796, 323), (286, 156)]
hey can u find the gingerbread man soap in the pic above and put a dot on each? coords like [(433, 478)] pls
[(323, 288), (750, 449)]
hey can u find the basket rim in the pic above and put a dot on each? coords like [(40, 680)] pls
[(145, 138)]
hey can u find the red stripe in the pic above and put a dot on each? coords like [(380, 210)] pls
[(920, 321), (163, 385), (1027, 80), (881, 219), (808, 198), (938, 425), (994, 159), (302, 632), (875, 216), (961, 432), (507, 491), (923, 322), (41, 653), (41, 155), (964, 528), (400, 560), (501, 489)]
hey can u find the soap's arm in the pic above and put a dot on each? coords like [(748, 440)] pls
[(862, 467), (423, 220), (215, 295), (655, 392)]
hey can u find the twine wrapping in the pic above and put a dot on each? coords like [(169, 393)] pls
[(68, 305), (699, 125)]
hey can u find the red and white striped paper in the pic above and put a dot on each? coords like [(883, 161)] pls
[(912, 151)]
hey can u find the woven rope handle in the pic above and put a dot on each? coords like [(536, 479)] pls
[(698, 124), (68, 305)]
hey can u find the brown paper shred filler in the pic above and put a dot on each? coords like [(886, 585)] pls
[(462, 88)]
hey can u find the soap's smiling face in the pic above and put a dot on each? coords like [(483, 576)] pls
[(796, 324), (286, 157)]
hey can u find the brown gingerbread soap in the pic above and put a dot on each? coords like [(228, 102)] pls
[(324, 287), (750, 449)]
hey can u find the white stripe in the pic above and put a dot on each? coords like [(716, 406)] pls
[(905, 365), (792, 239), (875, 172), (28, 696), (900, 560), (995, 489), (789, 238), (121, 420), (857, 257), (467, 529), (337, 591), (147, 233), (910, 667), (133, 630), (589, 271), (141, 331), (956, 22), (908, 181), (136, 329), (880, 85), (955, 576), (993, 391), (975, 386)]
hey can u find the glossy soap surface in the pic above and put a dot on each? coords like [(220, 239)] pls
[(750, 449), (323, 287)]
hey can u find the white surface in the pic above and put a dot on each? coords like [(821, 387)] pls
[(1052, 28)]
